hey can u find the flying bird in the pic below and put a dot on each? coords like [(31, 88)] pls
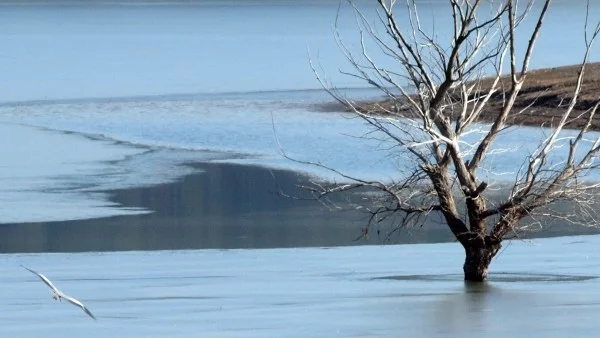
[(59, 295)]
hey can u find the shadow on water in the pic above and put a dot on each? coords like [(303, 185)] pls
[(225, 206)]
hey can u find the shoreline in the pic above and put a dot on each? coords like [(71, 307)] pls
[(547, 91)]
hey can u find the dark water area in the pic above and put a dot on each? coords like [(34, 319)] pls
[(225, 206)]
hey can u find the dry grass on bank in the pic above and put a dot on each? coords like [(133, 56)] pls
[(548, 91)]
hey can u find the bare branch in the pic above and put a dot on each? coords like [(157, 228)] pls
[(437, 92)]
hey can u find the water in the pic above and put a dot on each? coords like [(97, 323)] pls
[(108, 49), (112, 49), (149, 142), (106, 104), (545, 288), (142, 88)]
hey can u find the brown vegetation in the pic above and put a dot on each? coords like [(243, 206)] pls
[(546, 92)]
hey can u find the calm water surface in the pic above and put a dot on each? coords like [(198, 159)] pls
[(548, 288), (106, 95), (76, 49), (94, 105)]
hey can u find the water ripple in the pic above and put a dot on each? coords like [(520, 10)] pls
[(505, 277)]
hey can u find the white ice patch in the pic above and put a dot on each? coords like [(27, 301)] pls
[(230, 126), (52, 176), (38, 177), (250, 130)]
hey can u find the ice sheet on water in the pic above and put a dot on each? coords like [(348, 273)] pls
[(232, 125), (150, 139), (54, 50), (48, 175), (308, 292), (263, 126), (36, 174)]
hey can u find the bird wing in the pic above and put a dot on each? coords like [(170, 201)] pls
[(43, 278), (77, 303)]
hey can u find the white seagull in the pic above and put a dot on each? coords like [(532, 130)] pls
[(59, 295)]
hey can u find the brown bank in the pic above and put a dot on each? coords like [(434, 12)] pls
[(547, 92)]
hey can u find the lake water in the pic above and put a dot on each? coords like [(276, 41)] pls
[(546, 288), (136, 89), (106, 109)]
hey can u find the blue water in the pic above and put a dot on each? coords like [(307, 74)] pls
[(545, 288), (71, 49), (107, 49), (163, 83), (101, 95)]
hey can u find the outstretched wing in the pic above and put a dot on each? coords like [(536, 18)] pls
[(43, 278), (77, 303)]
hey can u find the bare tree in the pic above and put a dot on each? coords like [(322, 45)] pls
[(438, 92)]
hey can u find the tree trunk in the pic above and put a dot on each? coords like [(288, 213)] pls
[(478, 258)]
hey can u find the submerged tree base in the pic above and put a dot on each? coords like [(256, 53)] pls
[(478, 257), (438, 96)]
